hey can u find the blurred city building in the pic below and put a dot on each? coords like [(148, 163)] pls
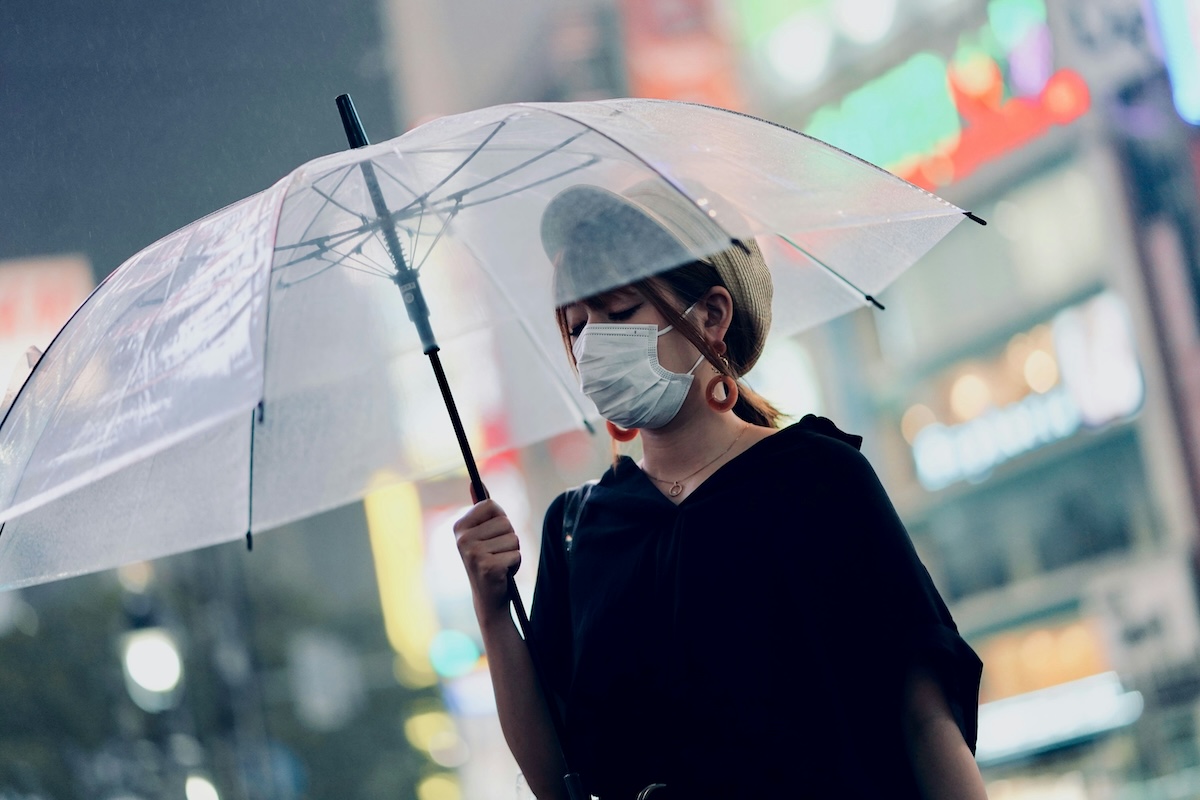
[(1030, 397), (1032, 416)]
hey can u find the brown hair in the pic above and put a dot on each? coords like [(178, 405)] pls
[(688, 283)]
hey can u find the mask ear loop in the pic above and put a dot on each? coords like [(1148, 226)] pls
[(727, 381)]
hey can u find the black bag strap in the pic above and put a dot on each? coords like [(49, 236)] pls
[(573, 512)]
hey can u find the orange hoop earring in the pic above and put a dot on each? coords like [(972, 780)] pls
[(731, 393), (621, 434)]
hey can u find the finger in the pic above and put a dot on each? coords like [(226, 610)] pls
[(508, 563), (497, 526), (506, 543), (479, 513), (491, 568), (476, 551)]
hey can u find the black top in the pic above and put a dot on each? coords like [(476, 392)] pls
[(750, 642)]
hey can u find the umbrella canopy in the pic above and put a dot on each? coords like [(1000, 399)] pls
[(259, 365)]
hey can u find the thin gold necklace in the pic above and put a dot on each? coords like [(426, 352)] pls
[(677, 486)]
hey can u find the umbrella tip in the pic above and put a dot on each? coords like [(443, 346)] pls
[(355, 134), (971, 216), (249, 541), (875, 302)]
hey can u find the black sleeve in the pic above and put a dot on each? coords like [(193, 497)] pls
[(896, 607), (550, 616)]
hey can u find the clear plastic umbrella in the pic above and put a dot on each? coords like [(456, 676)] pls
[(262, 364)]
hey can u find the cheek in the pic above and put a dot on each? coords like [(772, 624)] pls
[(676, 353)]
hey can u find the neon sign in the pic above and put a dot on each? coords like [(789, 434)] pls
[(933, 121)]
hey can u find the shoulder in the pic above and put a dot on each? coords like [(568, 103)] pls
[(815, 472), (817, 444), (567, 504)]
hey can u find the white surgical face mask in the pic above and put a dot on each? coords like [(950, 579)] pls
[(620, 373)]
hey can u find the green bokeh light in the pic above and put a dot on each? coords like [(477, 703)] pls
[(453, 653), (901, 113), (760, 18)]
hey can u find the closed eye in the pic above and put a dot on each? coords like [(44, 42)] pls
[(621, 316)]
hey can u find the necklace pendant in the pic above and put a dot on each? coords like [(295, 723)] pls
[(676, 489)]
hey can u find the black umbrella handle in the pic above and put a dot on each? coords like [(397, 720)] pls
[(572, 781)]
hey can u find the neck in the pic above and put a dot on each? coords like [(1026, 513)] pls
[(691, 440)]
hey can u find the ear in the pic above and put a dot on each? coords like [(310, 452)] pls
[(716, 313)]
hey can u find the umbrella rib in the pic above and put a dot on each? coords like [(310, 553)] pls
[(457, 197), (313, 220), (416, 236), (331, 265), (500, 176), (644, 162), (328, 199), (590, 162), (324, 240), (422, 201), (323, 247), (445, 225), (832, 272), (422, 198), (321, 250), (366, 265), (256, 416), (538, 345)]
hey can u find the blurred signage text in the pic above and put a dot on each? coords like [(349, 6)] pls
[(1079, 370)]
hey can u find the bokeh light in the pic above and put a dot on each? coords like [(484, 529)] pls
[(1040, 371), (441, 786), (199, 787), (799, 49), (453, 653), (969, 396), (152, 660), (864, 22)]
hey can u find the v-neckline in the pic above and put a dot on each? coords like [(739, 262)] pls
[(645, 476)]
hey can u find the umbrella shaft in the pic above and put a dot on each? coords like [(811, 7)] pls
[(414, 302), (451, 408), (574, 787)]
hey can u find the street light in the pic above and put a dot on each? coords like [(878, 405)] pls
[(199, 787), (152, 666)]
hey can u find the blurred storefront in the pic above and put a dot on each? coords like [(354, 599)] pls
[(1022, 395)]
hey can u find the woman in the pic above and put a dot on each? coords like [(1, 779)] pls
[(741, 614)]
